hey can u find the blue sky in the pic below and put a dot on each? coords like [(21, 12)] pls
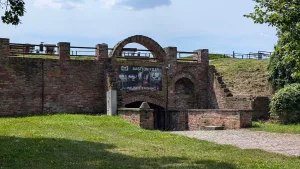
[(217, 25)]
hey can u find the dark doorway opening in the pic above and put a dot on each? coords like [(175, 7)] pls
[(158, 114)]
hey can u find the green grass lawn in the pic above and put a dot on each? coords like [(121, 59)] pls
[(80, 141), (276, 127), (244, 76)]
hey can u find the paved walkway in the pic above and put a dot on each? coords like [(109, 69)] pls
[(287, 144)]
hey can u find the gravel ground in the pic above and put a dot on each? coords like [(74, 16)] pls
[(287, 144)]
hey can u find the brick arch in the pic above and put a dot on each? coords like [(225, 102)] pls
[(156, 50), (143, 98), (184, 85), (184, 75)]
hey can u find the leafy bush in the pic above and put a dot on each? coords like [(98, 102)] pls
[(284, 66), (286, 104)]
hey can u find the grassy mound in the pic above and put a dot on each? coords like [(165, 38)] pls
[(78, 141), (244, 76), (276, 127)]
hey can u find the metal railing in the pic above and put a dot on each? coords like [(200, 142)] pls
[(186, 56), (17, 49), (83, 51), (260, 55), (137, 54)]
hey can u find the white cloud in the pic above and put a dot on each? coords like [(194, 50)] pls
[(66, 4), (187, 24), (142, 4), (109, 3), (125, 4)]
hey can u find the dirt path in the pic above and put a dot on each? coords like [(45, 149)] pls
[(287, 144)]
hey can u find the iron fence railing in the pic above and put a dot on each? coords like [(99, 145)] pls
[(260, 55), (83, 51), (19, 49)]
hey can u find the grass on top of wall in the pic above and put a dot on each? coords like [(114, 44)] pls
[(211, 57), (270, 126), (244, 76), (81, 141)]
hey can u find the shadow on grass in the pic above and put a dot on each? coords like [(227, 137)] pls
[(52, 153)]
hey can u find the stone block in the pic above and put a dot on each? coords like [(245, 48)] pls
[(111, 102)]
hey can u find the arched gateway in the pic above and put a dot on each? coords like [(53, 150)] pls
[(133, 80), (190, 90), (156, 50)]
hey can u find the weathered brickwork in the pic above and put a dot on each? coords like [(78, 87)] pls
[(195, 98), (4, 47), (230, 119), (222, 98), (74, 87), (131, 115), (64, 50), (178, 120), (139, 117), (261, 109), (20, 86), (240, 102), (156, 49), (196, 92), (35, 86)]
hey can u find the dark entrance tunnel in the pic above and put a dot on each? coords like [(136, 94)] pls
[(158, 114)]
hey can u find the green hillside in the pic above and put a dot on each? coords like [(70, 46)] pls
[(246, 76)]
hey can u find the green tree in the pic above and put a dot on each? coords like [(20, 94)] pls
[(14, 9), (285, 104), (284, 67)]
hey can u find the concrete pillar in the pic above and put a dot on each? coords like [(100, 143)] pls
[(171, 62), (101, 51), (111, 102), (4, 48), (203, 56), (64, 50)]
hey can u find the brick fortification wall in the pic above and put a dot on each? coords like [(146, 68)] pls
[(35, 86), (187, 81), (20, 86), (222, 98)]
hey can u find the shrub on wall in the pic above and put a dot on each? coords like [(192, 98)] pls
[(286, 104)]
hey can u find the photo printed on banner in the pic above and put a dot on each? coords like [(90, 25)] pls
[(133, 78)]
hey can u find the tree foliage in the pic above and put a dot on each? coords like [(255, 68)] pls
[(284, 67), (283, 14), (14, 9), (285, 104)]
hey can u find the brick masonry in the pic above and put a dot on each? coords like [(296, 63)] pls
[(4, 48), (64, 50), (230, 119), (222, 98), (39, 86), (139, 117), (192, 119)]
